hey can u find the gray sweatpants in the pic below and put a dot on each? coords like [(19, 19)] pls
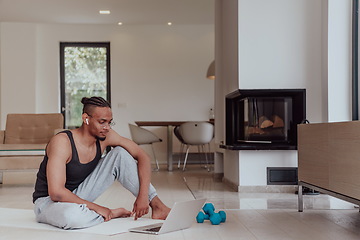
[(119, 165)]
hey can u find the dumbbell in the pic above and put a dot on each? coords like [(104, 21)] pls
[(201, 217), (223, 216), (209, 210), (215, 218)]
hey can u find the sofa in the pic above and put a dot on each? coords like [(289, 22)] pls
[(23, 142)]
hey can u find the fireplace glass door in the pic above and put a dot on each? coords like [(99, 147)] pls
[(265, 119)]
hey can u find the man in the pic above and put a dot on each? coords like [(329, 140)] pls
[(73, 173)]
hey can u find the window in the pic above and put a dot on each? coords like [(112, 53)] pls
[(84, 72)]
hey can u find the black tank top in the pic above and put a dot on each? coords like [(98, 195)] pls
[(76, 172)]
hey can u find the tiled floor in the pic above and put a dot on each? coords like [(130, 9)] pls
[(249, 215)]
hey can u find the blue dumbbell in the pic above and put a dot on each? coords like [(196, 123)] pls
[(223, 216), (215, 218), (201, 217)]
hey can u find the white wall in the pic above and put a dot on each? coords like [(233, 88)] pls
[(157, 72), (283, 46), (18, 68), (339, 60), (227, 75), (289, 44), (253, 165), (280, 47)]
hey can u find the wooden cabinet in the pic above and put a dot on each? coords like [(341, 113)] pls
[(329, 157)]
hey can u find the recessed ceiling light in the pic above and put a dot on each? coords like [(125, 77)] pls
[(120, 23), (104, 11), (169, 23)]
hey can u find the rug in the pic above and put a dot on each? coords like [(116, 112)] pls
[(25, 218)]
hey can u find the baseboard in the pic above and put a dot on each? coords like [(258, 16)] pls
[(231, 184), (261, 189), (269, 189), (218, 177)]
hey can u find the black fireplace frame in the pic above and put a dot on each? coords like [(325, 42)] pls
[(233, 127)]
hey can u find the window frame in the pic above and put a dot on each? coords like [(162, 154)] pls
[(355, 60), (63, 45)]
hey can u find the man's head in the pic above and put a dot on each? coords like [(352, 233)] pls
[(93, 102), (97, 116)]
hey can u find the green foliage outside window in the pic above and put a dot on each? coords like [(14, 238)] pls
[(85, 76)]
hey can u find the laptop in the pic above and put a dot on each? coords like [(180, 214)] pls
[(181, 216)]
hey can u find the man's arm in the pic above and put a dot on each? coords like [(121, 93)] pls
[(141, 205), (59, 153)]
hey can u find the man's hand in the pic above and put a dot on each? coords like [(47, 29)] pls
[(141, 207), (120, 213)]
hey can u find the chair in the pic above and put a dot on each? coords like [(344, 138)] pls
[(196, 134), (142, 136), (181, 140)]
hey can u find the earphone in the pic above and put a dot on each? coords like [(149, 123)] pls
[(87, 121)]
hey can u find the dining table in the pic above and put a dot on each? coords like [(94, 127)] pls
[(170, 129), (170, 126)]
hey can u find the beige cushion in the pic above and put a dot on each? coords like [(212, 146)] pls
[(20, 162), (31, 128), (56, 131), (17, 147)]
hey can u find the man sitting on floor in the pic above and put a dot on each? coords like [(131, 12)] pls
[(74, 173)]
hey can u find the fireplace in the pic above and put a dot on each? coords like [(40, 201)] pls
[(264, 119)]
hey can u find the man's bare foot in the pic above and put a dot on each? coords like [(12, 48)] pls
[(120, 213), (159, 209)]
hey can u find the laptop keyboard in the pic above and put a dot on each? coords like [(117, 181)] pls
[(155, 229)]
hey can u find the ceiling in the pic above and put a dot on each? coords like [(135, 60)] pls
[(129, 12)]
